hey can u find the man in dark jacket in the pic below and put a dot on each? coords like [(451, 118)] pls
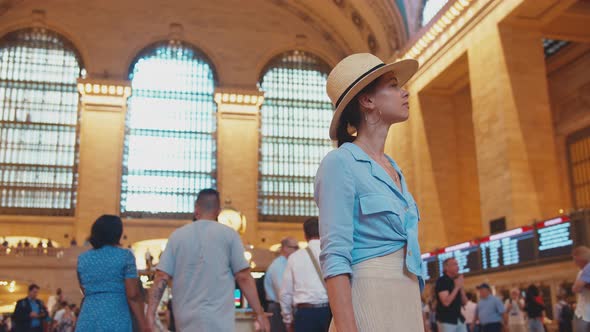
[(29, 312)]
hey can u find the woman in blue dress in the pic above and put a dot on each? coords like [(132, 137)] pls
[(108, 278)]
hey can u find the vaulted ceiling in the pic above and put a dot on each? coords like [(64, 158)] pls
[(251, 31)]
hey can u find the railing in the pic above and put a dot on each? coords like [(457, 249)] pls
[(49, 252)]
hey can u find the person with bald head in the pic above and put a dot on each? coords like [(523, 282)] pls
[(203, 261), (273, 280)]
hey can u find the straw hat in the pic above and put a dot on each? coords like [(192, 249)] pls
[(354, 73)]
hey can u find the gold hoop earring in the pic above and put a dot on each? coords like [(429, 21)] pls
[(374, 123)]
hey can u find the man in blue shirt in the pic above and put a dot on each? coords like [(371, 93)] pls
[(29, 312), (273, 280), (490, 310)]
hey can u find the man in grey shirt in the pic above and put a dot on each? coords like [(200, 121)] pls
[(204, 260)]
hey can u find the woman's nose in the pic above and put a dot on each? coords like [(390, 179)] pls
[(405, 93)]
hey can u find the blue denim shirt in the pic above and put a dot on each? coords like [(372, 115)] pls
[(363, 214)]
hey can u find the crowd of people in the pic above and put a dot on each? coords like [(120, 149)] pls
[(27, 248), (454, 309), (32, 315)]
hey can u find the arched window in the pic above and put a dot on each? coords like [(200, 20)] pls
[(170, 149), (296, 115), (430, 9), (39, 123)]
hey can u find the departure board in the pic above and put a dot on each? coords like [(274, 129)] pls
[(429, 266), (513, 247), (466, 254), (555, 237)]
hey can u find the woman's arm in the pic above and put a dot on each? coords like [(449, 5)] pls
[(340, 295), (335, 195), (135, 300)]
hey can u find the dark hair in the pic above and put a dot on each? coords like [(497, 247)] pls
[(531, 292), (470, 296), (311, 228), (63, 304), (106, 230), (208, 200), (33, 286), (351, 116)]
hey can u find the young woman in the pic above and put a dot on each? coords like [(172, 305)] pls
[(368, 219), (108, 278), (534, 309)]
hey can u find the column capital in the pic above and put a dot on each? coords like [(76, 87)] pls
[(238, 101), (104, 94)]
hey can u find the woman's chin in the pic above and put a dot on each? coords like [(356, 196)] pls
[(403, 116)]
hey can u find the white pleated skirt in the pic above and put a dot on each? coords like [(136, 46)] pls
[(385, 296)]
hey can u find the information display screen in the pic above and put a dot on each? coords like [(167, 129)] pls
[(237, 297), (555, 238), (508, 248), (466, 254), (528, 244), (430, 266)]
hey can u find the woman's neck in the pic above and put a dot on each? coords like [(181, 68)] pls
[(372, 141)]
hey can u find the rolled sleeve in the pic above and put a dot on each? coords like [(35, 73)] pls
[(335, 197)]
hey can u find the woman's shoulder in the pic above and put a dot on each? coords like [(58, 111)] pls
[(339, 155), (107, 251)]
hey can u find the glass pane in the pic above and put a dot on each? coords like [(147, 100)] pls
[(39, 123), (296, 115), (169, 151), (431, 8)]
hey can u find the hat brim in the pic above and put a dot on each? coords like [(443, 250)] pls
[(403, 70)]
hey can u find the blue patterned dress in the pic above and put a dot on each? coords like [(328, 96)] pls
[(102, 274)]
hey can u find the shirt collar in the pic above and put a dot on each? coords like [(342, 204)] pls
[(360, 155), (376, 170)]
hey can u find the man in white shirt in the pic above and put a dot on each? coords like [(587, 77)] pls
[(582, 288), (59, 313), (515, 311), (303, 287), (273, 280), (468, 311)]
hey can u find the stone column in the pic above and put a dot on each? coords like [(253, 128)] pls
[(238, 137), (515, 141), (102, 131)]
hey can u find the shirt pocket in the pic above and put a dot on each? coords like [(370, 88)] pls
[(379, 207)]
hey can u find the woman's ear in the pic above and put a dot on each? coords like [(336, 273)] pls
[(366, 101)]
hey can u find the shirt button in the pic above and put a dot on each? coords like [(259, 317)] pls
[(409, 252), (407, 209)]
